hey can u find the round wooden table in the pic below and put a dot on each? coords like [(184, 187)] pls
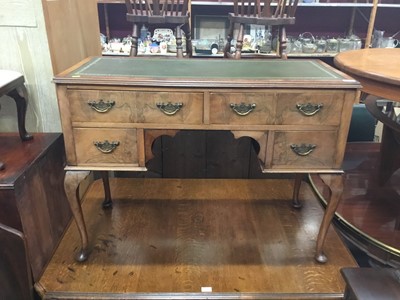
[(378, 71)]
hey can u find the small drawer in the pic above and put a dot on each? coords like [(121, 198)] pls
[(244, 108), (304, 149), (136, 107), (309, 107), (106, 146)]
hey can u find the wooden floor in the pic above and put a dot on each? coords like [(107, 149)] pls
[(368, 214), (169, 238)]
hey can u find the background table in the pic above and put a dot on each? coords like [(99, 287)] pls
[(12, 85), (378, 71)]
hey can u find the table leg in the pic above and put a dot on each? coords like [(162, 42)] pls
[(389, 154), (335, 184), (297, 183), (107, 203), (71, 185), (20, 98)]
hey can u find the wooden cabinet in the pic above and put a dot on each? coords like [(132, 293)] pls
[(34, 209), (113, 110), (72, 31)]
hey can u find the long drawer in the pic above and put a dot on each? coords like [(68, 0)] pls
[(136, 107), (297, 107)]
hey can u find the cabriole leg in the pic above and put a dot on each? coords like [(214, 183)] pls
[(71, 185), (107, 203), (297, 184), (335, 184)]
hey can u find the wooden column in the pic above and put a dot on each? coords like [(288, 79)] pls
[(371, 24)]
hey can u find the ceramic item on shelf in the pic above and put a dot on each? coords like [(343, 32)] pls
[(247, 42), (163, 34), (163, 47), (390, 42)]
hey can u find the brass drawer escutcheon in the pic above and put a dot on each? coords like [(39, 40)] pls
[(106, 146), (309, 109), (101, 106), (303, 149), (243, 109), (169, 108)]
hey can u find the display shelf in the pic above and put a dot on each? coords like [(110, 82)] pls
[(327, 20), (315, 4)]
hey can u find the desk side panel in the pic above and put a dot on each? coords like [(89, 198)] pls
[(66, 123)]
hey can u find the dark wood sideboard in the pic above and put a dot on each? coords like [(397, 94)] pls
[(34, 210)]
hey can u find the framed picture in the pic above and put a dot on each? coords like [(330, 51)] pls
[(210, 27)]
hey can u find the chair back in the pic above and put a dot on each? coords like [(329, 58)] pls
[(265, 9), (154, 8), (171, 13)]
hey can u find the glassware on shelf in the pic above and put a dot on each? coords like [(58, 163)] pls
[(356, 41), (377, 38), (332, 45), (345, 44), (308, 42), (321, 45)]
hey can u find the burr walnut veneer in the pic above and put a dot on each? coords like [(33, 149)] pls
[(112, 110)]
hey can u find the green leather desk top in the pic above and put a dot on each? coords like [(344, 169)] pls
[(203, 72)]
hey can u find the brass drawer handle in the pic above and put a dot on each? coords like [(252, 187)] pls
[(106, 146), (309, 109), (243, 109), (169, 108), (303, 149), (101, 106)]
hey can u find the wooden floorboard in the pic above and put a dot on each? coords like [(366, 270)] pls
[(168, 238)]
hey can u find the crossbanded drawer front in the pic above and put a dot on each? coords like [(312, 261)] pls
[(136, 107), (309, 108), (304, 149), (245, 108), (106, 146)]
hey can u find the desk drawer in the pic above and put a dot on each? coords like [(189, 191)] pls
[(136, 107), (297, 107), (309, 107), (251, 108), (304, 149), (106, 146)]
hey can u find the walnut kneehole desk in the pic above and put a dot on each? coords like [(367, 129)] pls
[(113, 108)]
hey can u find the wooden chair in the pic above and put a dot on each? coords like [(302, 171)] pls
[(260, 12), (171, 13)]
